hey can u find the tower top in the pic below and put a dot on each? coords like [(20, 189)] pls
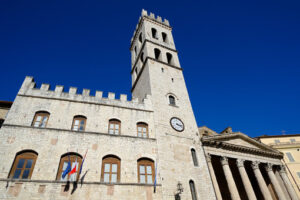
[(151, 17)]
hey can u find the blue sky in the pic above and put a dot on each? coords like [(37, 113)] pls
[(241, 59)]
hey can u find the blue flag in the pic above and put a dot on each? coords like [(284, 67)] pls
[(82, 162), (67, 170)]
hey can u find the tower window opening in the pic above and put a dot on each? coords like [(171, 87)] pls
[(169, 58), (193, 190), (135, 50), (154, 33), (194, 156), (164, 37), (172, 100), (140, 38), (136, 70), (162, 69), (142, 57), (157, 54), (172, 79)]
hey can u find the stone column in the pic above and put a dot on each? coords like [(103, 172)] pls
[(230, 181), (213, 177), (287, 183), (274, 182), (261, 182), (245, 179), (280, 181)]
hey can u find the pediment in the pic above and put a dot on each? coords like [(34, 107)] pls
[(239, 140)]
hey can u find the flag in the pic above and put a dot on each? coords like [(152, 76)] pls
[(155, 177), (82, 162), (74, 168), (68, 169)]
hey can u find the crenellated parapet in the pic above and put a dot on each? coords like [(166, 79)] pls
[(29, 88), (150, 16)]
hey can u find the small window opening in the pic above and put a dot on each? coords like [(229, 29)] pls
[(140, 38), (194, 156), (1, 122), (136, 70), (172, 79), (162, 69), (154, 33), (172, 100), (169, 58), (157, 54), (164, 37), (135, 50), (193, 190), (142, 57)]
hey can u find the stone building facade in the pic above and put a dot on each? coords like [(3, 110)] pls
[(244, 168), (144, 148), (289, 145)]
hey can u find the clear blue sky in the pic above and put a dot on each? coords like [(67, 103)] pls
[(241, 59)]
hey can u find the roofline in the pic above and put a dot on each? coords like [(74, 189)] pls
[(5, 104), (275, 136)]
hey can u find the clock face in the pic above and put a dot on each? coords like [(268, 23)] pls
[(177, 124)]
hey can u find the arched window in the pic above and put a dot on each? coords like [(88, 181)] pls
[(157, 54), (154, 33), (1, 122), (114, 127), (193, 190), (164, 37), (142, 57), (194, 156), (40, 119), (79, 122), (169, 58), (172, 100), (142, 129), (110, 172), (23, 165), (140, 38), (75, 161), (146, 172)]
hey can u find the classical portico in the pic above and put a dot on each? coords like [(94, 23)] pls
[(243, 168)]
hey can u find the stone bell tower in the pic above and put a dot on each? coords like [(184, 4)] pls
[(156, 71)]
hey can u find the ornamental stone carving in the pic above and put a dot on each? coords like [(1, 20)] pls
[(240, 162)]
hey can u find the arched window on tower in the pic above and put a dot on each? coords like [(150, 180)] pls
[(194, 156), (172, 100), (142, 129), (110, 172), (79, 123), (169, 58), (40, 119), (193, 190), (140, 38), (157, 54), (114, 127), (23, 165), (146, 172), (154, 33), (164, 37)]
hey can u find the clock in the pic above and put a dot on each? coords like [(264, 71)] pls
[(177, 124)]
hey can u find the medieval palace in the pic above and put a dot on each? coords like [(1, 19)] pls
[(58, 144)]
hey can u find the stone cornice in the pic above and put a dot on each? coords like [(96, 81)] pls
[(240, 148)]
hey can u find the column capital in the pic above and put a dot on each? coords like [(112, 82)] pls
[(208, 157), (282, 169), (224, 160), (255, 165), (269, 167), (240, 162)]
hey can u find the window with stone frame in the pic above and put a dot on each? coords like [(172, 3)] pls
[(23, 165), (169, 58), (75, 160), (40, 119), (142, 130), (154, 33), (164, 37), (157, 54), (193, 190), (110, 172), (114, 127), (194, 157), (146, 171), (79, 123)]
